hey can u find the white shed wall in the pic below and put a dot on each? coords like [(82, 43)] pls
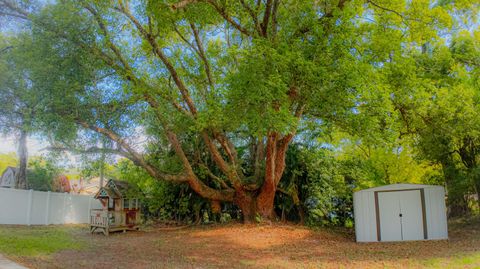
[(436, 213), (365, 214)]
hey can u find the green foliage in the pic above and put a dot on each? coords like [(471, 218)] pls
[(374, 165), (323, 190), (162, 200), (328, 193), (91, 168), (443, 112), (41, 174), (325, 177), (6, 160)]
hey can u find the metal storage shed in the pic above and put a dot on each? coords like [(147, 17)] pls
[(400, 212)]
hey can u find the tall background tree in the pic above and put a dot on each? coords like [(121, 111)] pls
[(19, 101)]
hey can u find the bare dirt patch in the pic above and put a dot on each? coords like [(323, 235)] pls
[(262, 246)]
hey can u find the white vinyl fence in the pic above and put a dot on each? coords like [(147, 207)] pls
[(30, 207)]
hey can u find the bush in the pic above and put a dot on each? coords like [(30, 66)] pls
[(324, 192), (41, 174)]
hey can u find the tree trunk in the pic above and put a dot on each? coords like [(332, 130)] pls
[(102, 166), (456, 203), (265, 203), (246, 202), (297, 203), (477, 188), (21, 176), (267, 192), (301, 214), (274, 168)]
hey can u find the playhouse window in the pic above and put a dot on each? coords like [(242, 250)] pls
[(111, 204), (126, 203)]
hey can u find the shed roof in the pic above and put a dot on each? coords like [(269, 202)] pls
[(399, 187)]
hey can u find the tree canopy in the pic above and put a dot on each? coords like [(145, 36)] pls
[(219, 89)]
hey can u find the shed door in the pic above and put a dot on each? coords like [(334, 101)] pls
[(400, 215), (389, 210), (412, 218)]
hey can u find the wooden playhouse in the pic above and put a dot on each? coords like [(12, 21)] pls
[(120, 208)]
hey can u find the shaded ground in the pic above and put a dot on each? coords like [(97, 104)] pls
[(266, 246)]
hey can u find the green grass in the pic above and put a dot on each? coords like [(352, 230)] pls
[(36, 241), (467, 260)]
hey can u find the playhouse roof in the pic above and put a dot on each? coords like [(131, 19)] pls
[(114, 189)]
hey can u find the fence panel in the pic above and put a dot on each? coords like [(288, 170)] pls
[(30, 207), (39, 209)]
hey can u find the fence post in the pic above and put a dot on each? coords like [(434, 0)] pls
[(89, 208), (64, 205), (29, 207), (47, 209)]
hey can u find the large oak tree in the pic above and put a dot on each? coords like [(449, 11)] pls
[(220, 88)]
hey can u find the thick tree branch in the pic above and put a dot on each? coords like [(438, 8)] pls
[(110, 44), (125, 70), (385, 8), (227, 146), (195, 183), (90, 150), (214, 177), (184, 38), (266, 17), (220, 9), (254, 16), (188, 176), (328, 14), (11, 9), (9, 14), (276, 3), (183, 4), (259, 157), (133, 155), (270, 162), (158, 51), (231, 173), (228, 170), (201, 53)]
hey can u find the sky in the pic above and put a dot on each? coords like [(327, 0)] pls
[(34, 145)]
